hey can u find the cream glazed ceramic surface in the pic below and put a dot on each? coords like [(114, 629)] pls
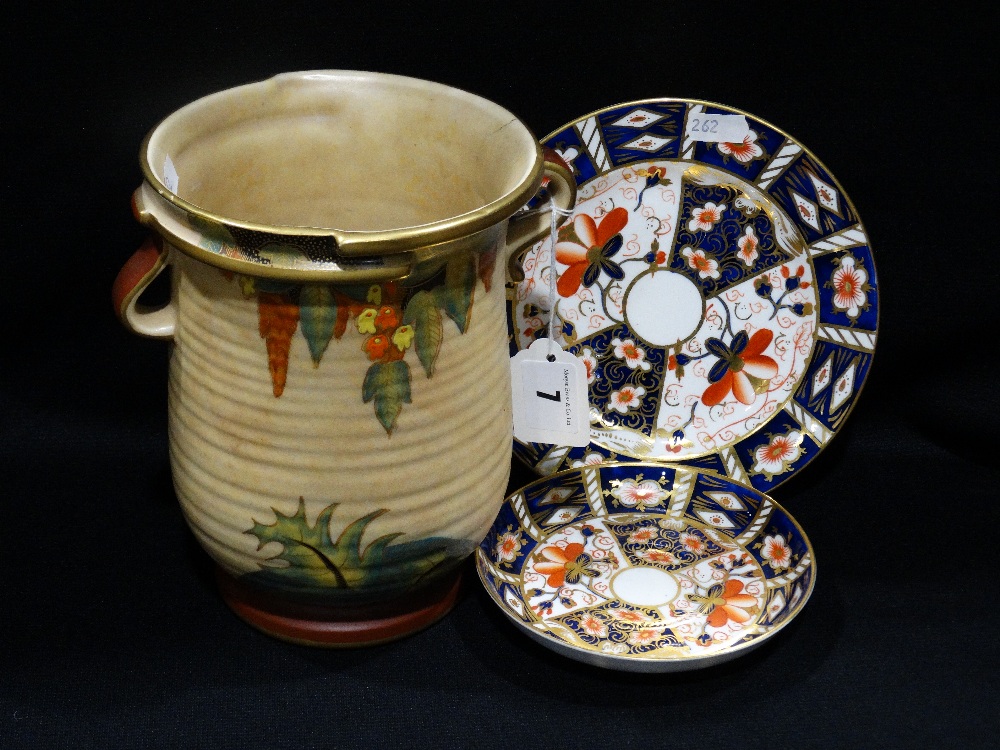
[(339, 393), (360, 447)]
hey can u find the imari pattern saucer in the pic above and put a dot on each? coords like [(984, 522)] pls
[(646, 567), (722, 295)]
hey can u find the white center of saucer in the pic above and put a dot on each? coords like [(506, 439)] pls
[(645, 587), (663, 308)]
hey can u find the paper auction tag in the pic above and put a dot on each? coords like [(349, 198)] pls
[(717, 128), (551, 403)]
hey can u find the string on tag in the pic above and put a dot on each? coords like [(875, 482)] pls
[(554, 212)]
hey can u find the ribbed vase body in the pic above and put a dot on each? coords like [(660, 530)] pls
[(340, 442)]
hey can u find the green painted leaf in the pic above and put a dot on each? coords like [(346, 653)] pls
[(347, 548), (319, 567), (455, 297), (318, 318), (375, 551), (302, 544), (423, 314), (388, 384), (313, 555)]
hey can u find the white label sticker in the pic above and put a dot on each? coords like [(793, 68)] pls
[(717, 128), (551, 403), (169, 175)]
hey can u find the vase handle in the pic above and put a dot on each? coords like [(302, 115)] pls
[(532, 225), (138, 272)]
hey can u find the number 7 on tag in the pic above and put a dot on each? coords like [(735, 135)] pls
[(551, 403)]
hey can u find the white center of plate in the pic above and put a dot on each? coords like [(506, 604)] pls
[(645, 587), (664, 308)]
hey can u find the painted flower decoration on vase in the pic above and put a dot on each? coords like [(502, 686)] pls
[(565, 564), (590, 250), (376, 346), (745, 151), (386, 318), (633, 354), (366, 320), (748, 246), (625, 399), (403, 337), (850, 283), (706, 217), (776, 552), (742, 370), (725, 602), (778, 454), (639, 493), (706, 267)]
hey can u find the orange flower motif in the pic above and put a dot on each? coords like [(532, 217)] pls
[(706, 267), (586, 261), (644, 636), (594, 626), (744, 151), (776, 551), (727, 603), (376, 346), (386, 318), (564, 564), (743, 369), (628, 615), (734, 605), (705, 218), (508, 545), (658, 556)]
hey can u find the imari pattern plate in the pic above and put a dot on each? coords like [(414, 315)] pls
[(722, 295), (646, 567)]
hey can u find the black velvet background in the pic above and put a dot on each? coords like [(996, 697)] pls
[(111, 631)]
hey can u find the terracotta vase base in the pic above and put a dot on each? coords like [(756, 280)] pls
[(339, 627)]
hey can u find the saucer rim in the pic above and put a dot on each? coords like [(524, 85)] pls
[(677, 663)]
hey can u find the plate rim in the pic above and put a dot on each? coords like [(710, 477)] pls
[(873, 273)]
